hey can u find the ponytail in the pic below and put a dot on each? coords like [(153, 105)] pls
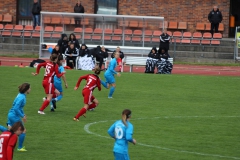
[(16, 125), (53, 57), (125, 115), (97, 70)]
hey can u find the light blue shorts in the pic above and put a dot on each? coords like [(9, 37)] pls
[(119, 156), (58, 86), (109, 78), (13, 119)]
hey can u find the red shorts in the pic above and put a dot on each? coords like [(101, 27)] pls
[(48, 87), (87, 95), (119, 61)]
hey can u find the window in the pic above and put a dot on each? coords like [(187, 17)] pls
[(24, 9), (106, 7)]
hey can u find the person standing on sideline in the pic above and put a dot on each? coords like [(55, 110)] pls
[(122, 131), (8, 140), (78, 9), (164, 41), (90, 102), (17, 114), (215, 17), (109, 75), (36, 9)]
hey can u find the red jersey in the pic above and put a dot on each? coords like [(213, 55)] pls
[(93, 81), (51, 69), (8, 142)]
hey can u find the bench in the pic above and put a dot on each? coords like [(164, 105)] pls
[(139, 61)]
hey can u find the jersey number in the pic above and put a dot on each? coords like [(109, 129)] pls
[(118, 133), (89, 81), (47, 70), (1, 147)]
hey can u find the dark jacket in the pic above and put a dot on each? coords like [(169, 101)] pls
[(83, 52), (100, 53), (54, 51), (121, 54), (164, 41), (153, 55), (36, 9), (164, 55), (73, 51), (63, 44), (215, 17), (74, 41), (78, 9)]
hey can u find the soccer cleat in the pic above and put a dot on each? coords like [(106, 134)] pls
[(41, 112), (44, 98), (52, 110), (110, 97), (54, 103), (75, 119), (91, 109), (21, 149)]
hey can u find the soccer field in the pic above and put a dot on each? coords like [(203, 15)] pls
[(175, 117)]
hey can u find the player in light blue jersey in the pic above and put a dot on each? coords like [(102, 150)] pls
[(122, 131), (109, 75), (58, 83), (16, 113)]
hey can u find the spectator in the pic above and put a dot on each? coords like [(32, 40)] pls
[(85, 62), (63, 43), (36, 9), (164, 41), (153, 57), (163, 53), (56, 50), (119, 60), (78, 9), (71, 54), (100, 55), (72, 39), (164, 66), (215, 17)]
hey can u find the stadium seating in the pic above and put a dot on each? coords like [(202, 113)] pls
[(7, 18), (142, 24), (206, 35), (47, 20), (66, 20), (182, 25), (133, 24), (156, 35), (147, 36), (117, 35), (200, 26), (123, 23), (17, 31), (221, 27), (208, 27), (85, 22), (177, 36), (197, 36), (7, 30), (165, 24), (28, 31), (56, 20), (186, 37), (57, 32), (88, 33), (216, 36), (128, 34), (173, 25), (137, 34)]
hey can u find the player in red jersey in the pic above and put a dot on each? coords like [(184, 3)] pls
[(90, 101), (51, 69), (8, 140)]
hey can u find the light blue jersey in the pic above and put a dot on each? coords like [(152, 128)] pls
[(111, 67), (16, 112), (60, 70), (122, 135)]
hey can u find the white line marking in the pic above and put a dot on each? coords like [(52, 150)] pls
[(86, 128)]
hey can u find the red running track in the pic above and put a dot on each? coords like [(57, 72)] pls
[(177, 68)]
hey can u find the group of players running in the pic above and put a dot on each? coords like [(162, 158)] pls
[(121, 130)]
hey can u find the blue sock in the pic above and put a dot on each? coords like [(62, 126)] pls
[(104, 84), (21, 139), (59, 97), (112, 89), (2, 129)]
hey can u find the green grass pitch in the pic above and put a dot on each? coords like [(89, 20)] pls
[(175, 117)]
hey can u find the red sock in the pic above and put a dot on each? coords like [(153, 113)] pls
[(80, 113), (44, 105), (91, 106)]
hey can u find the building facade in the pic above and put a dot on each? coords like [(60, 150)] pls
[(190, 11)]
